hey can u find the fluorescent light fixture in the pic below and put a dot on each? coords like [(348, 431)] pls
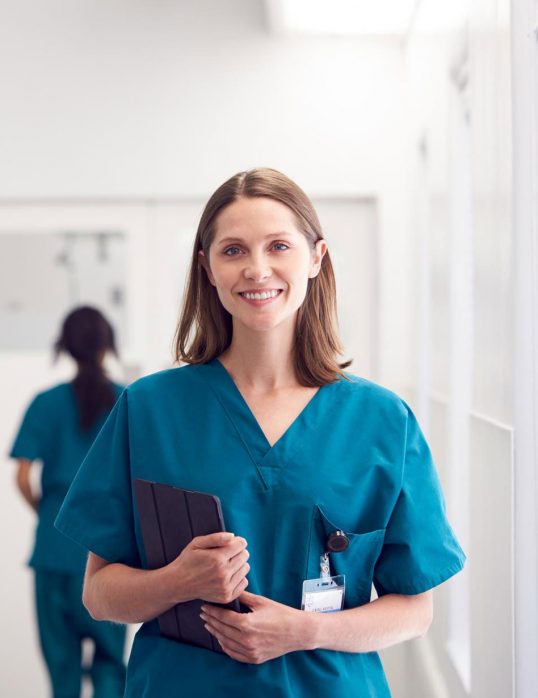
[(341, 17), (441, 15)]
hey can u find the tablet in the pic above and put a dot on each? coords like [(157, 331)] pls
[(170, 517)]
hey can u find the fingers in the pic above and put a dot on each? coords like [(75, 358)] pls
[(239, 574), (238, 561), (230, 545), (213, 540), (239, 587), (228, 629), (235, 547), (237, 655), (232, 649), (232, 641), (250, 600)]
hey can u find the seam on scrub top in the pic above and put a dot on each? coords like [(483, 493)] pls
[(264, 482)]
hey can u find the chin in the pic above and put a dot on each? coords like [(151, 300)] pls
[(264, 324)]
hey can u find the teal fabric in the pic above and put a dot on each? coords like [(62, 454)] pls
[(354, 459), (63, 623), (50, 432)]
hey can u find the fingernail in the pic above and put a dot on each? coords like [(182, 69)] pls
[(203, 616)]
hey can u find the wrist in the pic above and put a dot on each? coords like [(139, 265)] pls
[(173, 588), (310, 630)]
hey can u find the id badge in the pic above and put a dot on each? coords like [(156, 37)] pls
[(324, 595)]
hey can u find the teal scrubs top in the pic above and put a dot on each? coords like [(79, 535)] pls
[(51, 433), (354, 459)]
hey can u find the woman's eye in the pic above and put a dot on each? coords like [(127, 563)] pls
[(281, 246), (231, 251)]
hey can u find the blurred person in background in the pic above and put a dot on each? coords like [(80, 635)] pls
[(58, 428)]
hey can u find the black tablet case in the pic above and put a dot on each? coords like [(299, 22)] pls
[(170, 517)]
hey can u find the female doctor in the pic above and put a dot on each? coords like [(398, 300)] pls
[(298, 451)]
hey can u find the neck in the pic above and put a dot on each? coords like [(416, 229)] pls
[(261, 361)]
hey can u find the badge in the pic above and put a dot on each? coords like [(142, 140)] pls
[(326, 594)]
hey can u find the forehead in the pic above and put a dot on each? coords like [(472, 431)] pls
[(256, 216)]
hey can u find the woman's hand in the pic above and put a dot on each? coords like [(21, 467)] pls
[(213, 568), (270, 630)]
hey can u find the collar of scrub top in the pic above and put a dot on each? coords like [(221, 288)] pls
[(264, 456)]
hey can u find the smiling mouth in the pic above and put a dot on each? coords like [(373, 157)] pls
[(260, 295)]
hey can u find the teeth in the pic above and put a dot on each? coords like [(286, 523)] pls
[(260, 296)]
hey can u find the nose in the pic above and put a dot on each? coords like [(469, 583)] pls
[(257, 269)]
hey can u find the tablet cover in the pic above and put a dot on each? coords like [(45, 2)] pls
[(170, 517)]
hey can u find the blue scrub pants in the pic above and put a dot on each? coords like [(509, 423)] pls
[(63, 624)]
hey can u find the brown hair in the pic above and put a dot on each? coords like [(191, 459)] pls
[(204, 330), (86, 335)]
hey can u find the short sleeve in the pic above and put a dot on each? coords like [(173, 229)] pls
[(32, 438), (97, 512), (420, 549)]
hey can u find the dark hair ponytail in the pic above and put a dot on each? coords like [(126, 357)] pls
[(87, 335)]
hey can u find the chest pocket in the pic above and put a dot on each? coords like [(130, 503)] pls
[(357, 562)]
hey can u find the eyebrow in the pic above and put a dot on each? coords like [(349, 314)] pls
[(266, 237)]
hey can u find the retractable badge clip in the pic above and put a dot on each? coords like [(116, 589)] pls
[(336, 542), (326, 593)]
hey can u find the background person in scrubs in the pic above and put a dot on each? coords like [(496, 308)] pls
[(58, 428), (264, 416)]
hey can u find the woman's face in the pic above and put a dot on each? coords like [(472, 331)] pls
[(260, 262)]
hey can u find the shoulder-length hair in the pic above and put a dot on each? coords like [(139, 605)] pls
[(204, 330)]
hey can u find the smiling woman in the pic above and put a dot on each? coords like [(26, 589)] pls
[(297, 450), (261, 268), (259, 233)]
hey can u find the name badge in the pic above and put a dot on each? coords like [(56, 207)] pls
[(324, 595)]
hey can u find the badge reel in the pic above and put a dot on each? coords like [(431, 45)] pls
[(326, 594)]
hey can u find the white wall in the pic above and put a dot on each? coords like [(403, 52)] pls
[(137, 98), (460, 92), (524, 47)]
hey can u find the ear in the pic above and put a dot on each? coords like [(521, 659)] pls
[(317, 256), (204, 262)]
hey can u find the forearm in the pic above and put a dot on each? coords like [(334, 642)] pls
[(125, 594), (24, 485), (387, 621), (211, 567)]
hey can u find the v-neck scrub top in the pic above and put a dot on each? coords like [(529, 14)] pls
[(354, 459), (50, 432)]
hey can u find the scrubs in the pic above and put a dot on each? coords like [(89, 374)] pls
[(50, 432), (354, 459)]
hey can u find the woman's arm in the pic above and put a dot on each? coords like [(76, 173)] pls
[(384, 622), (273, 629), (24, 484), (211, 567)]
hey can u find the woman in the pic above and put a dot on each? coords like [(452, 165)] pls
[(264, 417), (58, 429)]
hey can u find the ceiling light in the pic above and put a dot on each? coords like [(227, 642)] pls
[(341, 17)]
